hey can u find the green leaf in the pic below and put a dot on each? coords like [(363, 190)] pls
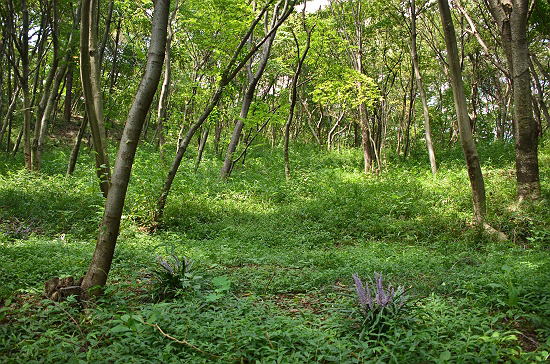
[(222, 283), (446, 355), (120, 328)]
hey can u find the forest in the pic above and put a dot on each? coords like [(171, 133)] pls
[(274, 181)]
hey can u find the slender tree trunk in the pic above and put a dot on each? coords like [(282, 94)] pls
[(201, 147), (89, 74), (540, 94), (410, 112), (229, 73), (280, 13), (8, 115), (47, 114), (25, 66), (294, 93), (48, 94), (68, 93), (165, 89), (245, 107), (76, 148), (419, 85), (468, 146), (108, 231)]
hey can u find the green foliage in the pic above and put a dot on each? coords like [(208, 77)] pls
[(276, 259), (172, 276), (348, 89), (378, 304)]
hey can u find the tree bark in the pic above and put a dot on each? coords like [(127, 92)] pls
[(468, 146), (228, 74), (419, 85), (40, 132), (108, 231), (89, 74), (76, 148), (512, 18), (253, 80), (294, 93)]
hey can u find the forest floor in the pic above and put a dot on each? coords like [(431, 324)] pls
[(267, 273)]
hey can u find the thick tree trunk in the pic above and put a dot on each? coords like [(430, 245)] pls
[(468, 146), (511, 17), (108, 231)]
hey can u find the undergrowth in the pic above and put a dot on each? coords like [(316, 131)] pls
[(273, 262)]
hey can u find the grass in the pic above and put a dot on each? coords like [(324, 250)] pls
[(289, 250)]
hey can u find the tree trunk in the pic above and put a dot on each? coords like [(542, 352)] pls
[(414, 56), (468, 146), (165, 90), (25, 65), (47, 114), (201, 148), (48, 95), (540, 93), (245, 107), (228, 74), (294, 93), (68, 94), (108, 231), (511, 17), (89, 74), (76, 148)]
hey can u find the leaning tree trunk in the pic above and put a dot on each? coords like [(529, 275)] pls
[(253, 80), (165, 89), (512, 18), (466, 138), (76, 147), (108, 231), (229, 73), (47, 114)]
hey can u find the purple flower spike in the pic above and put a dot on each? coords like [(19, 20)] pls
[(360, 288), (380, 293), (165, 265)]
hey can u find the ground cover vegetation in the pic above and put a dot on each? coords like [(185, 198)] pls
[(366, 182), (287, 252)]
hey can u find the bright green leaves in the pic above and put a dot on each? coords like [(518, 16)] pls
[(350, 89), (222, 285)]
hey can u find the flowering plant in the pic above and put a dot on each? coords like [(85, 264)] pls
[(172, 276), (378, 303)]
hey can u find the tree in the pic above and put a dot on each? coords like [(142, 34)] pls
[(468, 146), (294, 85), (232, 68), (281, 11), (108, 231), (91, 89), (420, 86), (512, 19)]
